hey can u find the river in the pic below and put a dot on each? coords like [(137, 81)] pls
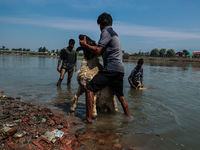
[(165, 117)]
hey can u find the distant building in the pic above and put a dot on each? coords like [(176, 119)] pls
[(189, 55), (53, 54), (126, 55), (196, 54), (180, 54)]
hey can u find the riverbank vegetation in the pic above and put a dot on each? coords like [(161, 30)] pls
[(154, 54)]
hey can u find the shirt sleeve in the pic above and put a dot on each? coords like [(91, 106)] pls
[(130, 78), (61, 54), (141, 76), (105, 38), (75, 57)]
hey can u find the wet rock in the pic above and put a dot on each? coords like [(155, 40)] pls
[(19, 134), (80, 131)]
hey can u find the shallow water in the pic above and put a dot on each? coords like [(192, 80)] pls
[(163, 118)]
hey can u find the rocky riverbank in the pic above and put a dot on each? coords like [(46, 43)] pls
[(25, 125)]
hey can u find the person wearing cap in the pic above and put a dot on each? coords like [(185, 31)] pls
[(113, 72), (68, 57)]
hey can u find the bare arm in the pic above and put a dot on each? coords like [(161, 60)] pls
[(75, 67), (58, 68), (93, 49)]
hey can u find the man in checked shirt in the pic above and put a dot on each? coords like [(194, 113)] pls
[(136, 76)]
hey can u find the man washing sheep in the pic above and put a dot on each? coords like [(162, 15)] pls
[(112, 74)]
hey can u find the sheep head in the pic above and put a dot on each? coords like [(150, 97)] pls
[(87, 54)]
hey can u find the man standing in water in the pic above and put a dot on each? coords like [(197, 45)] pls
[(68, 57), (112, 74)]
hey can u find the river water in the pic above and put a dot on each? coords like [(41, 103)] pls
[(163, 118)]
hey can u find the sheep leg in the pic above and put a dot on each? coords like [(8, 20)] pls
[(115, 104), (75, 98), (94, 111)]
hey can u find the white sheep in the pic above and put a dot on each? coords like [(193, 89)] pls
[(104, 100)]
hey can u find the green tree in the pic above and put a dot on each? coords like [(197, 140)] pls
[(57, 52), (45, 49), (154, 52), (42, 49), (162, 52), (146, 53), (186, 52), (170, 52)]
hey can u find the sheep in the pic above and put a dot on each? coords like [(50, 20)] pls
[(139, 86), (104, 100)]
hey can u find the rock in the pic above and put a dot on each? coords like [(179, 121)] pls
[(58, 133), (117, 146), (101, 142), (43, 120), (23, 126), (59, 127), (11, 131), (19, 134), (6, 129), (9, 125), (50, 136)]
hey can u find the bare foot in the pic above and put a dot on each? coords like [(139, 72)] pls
[(87, 120)]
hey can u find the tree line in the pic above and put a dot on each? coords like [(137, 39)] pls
[(160, 53), (154, 52), (40, 49)]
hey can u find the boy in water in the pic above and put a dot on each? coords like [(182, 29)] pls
[(136, 77)]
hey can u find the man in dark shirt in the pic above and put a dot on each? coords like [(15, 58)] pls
[(68, 57), (136, 76), (112, 74)]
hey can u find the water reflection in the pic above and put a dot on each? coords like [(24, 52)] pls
[(64, 100), (64, 94), (135, 94)]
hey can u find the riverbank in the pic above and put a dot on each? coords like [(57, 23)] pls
[(161, 59), (25, 125), (131, 58)]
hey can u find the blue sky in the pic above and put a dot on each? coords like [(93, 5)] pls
[(141, 24)]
